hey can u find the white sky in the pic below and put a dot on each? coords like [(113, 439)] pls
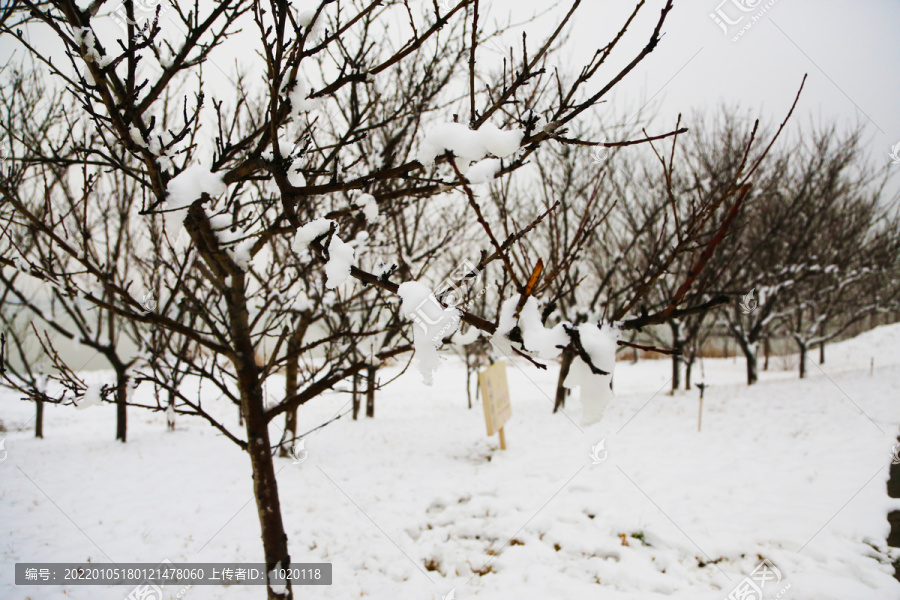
[(850, 49)]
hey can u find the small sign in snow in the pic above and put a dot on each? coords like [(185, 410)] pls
[(495, 397)]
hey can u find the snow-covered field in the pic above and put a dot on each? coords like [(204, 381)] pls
[(419, 502)]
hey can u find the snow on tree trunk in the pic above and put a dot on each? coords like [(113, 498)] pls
[(564, 366), (170, 412)]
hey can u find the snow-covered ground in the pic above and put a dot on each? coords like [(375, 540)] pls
[(419, 502)]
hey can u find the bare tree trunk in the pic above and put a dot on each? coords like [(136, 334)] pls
[(468, 379), (355, 396), (752, 371), (121, 404), (803, 352), (291, 375), (39, 419), (676, 368), (766, 350), (749, 349), (292, 379), (564, 366), (822, 353), (371, 371), (265, 485), (688, 366), (678, 350)]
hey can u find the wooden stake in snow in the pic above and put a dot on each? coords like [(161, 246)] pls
[(702, 387), (495, 394)]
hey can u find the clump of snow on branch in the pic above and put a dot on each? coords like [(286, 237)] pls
[(468, 145), (369, 207), (464, 339), (341, 255), (190, 184), (302, 303), (136, 137), (432, 321), (84, 36), (92, 397), (286, 149), (340, 259), (295, 177), (498, 142), (307, 233), (236, 243), (298, 96), (483, 171), (306, 12), (600, 343), (545, 343)]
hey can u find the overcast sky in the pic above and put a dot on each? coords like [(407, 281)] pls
[(850, 49)]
